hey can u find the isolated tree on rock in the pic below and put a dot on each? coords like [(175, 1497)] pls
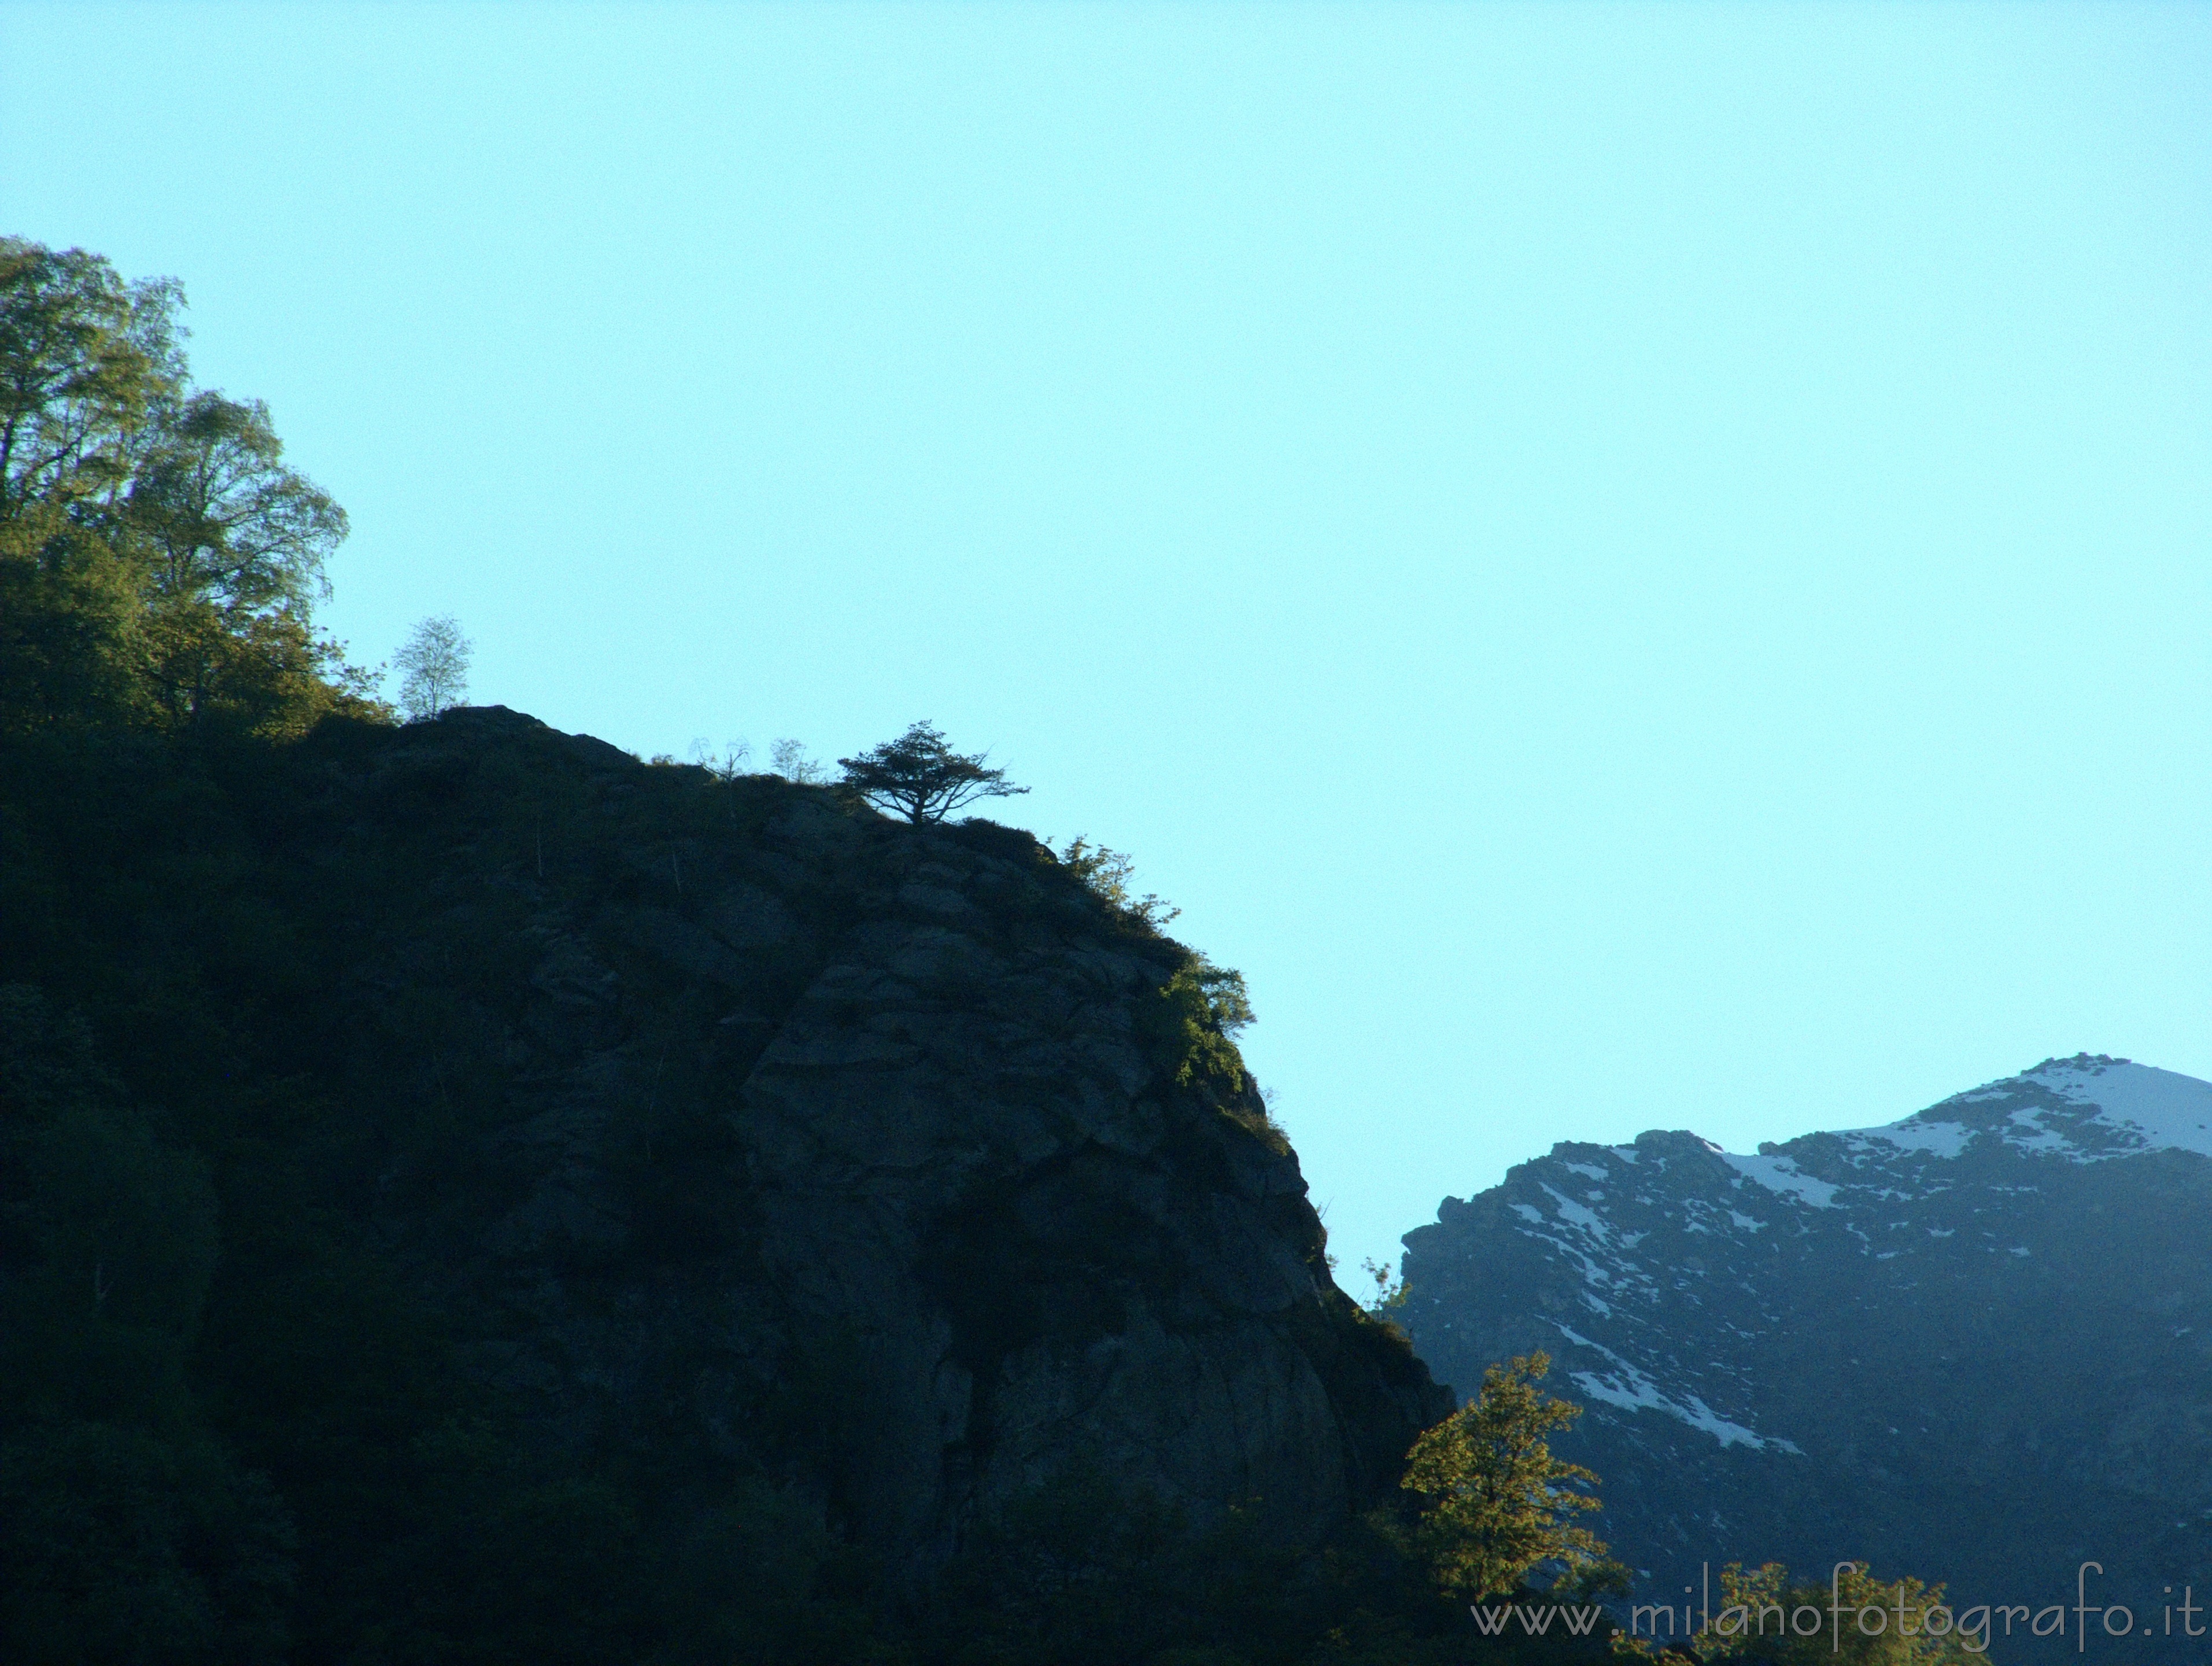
[(922, 778), (1495, 1503), (435, 661)]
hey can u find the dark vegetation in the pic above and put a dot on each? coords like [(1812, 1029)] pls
[(921, 777), (279, 977)]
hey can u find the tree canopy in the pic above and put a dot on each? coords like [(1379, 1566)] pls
[(1852, 1619), (159, 560), (1495, 1503), (921, 777)]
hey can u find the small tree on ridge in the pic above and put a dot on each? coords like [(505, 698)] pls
[(922, 778), (788, 758), (435, 661)]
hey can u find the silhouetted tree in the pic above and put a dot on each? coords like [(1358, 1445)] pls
[(921, 777), (729, 764)]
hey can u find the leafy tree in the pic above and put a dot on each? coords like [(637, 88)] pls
[(921, 777), (1390, 1289), (436, 662), (1108, 873), (1495, 1503), (158, 559), (86, 360), (226, 519), (1855, 1619), (1203, 1007)]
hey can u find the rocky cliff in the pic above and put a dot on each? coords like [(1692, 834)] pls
[(1974, 1346), (855, 1146)]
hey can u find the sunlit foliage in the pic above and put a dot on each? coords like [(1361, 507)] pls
[(159, 560), (1495, 1503)]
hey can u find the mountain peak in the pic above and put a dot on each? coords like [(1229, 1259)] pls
[(2089, 1107), (1964, 1344)]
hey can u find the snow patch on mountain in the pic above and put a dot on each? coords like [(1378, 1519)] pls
[(2167, 1111), (2089, 1107), (1779, 1174), (1912, 1302), (1625, 1386), (1914, 1134), (1575, 1214)]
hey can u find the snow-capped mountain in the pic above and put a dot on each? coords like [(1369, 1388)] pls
[(1974, 1346)]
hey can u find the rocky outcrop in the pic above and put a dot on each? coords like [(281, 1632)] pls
[(1974, 1346), (738, 1124)]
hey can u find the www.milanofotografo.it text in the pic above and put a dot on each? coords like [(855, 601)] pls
[(1972, 1626)]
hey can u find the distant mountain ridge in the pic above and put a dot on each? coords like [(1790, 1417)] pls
[(1974, 1345)]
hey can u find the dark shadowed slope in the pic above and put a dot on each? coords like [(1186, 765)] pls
[(585, 1171)]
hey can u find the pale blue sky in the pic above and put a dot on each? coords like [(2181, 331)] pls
[(1633, 566)]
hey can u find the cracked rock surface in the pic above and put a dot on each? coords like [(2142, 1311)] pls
[(746, 1130)]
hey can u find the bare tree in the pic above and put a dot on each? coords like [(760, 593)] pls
[(729, 764), (921, 777), (435, 661)]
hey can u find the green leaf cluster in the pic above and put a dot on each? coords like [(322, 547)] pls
[(1857, 1618), (1207, 1006), (1495, 1503), (1110, 876), (159, 560), (1193, 1023)]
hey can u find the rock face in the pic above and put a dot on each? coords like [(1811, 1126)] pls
[(861, 1151), (1974, 1346)]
